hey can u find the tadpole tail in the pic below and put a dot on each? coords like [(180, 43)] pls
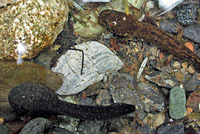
[(96, 112)]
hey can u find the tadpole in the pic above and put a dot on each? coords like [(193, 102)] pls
[(37, 100)]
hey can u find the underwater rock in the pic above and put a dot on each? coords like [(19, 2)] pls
[(153, 101), (193, 83), (35, 23), (98, 59), (36, 126), (162, 79), (171, 129), (4, 3), (177, 101)]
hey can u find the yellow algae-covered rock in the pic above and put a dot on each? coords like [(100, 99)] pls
[(35, 23)]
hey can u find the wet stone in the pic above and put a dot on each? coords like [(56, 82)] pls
[(171, 129), (104, 98), (90, 127), (152, 100), (98, 59), (36, 126), (177, 101), (123, 89), (162, 79), (187, 13), (4, 129), (58, 130), (193, 83), (193, 101)]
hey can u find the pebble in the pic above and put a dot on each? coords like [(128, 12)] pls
[(58, 130), (90, 127), (177, 65), (187, 13), (98, 59), (184, 64), (191, 69), (104, 98), (153, 101), (162, 79), (182, 75), (36, 126), (170, 129), (4, 129), (193, 102), (193, 83), (177, 101)]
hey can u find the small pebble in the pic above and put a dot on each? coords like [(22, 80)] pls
[(184, 64), (193, 83), (1, 120), (177, 98), (177, 65), (191, 69), (187, 13)]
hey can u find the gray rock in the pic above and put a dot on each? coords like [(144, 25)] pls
[(98, 60), (193, 83), (4, 129), (162, 79), (58, 130), (90, 127), (36, 126), (177, 101), (171, 129), (152, 100)]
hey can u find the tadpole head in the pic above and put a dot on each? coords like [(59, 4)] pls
[(32, 99)]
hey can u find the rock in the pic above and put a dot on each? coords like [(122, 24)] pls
[(182, 75), (123, 89), (191, 69), (58, 130), (171, 129), (152, 100), (4, 129), (104, 98), (162, 79), (192, 32), (4, 3), (90, 127), (193, 102), (98, 59), (7, 112), (36, 126), (193, 83), (187, 13), (177, 101), (177, 65), (35, 23)]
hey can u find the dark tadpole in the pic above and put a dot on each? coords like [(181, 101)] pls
[(34, 99)]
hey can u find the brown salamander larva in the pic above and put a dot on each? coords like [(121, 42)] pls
[(128, 26)]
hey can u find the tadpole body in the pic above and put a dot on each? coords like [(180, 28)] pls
[(34, 99)]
